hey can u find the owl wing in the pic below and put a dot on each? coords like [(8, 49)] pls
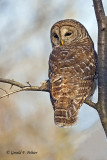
[(71, 74)]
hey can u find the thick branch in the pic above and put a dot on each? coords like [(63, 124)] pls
[(99, 11), (102, 62)]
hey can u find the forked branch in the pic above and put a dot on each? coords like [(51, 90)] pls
[(43, 87)]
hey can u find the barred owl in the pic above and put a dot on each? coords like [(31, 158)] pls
[(71, 70)]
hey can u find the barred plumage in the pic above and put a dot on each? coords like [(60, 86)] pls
[(71, 70)]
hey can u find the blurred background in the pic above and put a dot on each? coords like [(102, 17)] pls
[(26, 118)]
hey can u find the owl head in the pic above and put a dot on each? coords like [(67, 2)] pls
[(66, 32)]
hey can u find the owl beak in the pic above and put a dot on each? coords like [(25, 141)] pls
[(62, 42)]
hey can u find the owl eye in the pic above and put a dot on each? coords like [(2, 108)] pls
[(56, 36), (68, 34)]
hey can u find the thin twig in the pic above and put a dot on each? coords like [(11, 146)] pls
[(28, 83), (28, 88), (7, 94), (4, 90)]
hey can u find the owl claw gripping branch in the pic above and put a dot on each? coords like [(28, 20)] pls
[(71, 70)]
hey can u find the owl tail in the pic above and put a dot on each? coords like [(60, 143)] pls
[(64, 117)]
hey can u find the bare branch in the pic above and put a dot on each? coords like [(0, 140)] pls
[(28, 83), (100, 14), (102, 62), (7, 94), (43, 87), (90, 103), (12, 82), (4, 90), (28, 88)]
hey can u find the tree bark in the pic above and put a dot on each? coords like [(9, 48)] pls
[(102, 62)]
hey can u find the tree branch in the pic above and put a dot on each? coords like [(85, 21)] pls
[(43, 87), (102, 62), (99, 11), (90, 103)]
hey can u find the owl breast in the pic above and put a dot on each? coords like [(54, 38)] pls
[(71, 74)]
